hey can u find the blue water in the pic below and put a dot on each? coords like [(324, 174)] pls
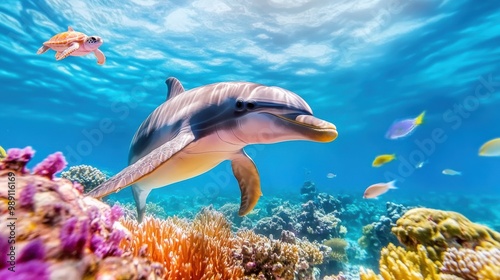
[(359, 64)]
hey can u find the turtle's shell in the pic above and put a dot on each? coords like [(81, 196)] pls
[(65, 38)]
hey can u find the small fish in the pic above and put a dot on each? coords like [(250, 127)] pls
[(420, 164), (490, 148), (330, 175), (375, 190), (405, 127), (383, 159), (451, 172), (3, 154)]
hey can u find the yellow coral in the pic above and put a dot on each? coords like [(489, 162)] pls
[(310, 252), (441, 230), (396, 263), (201, 250), (472, 264), (338, 246), (489, 272)]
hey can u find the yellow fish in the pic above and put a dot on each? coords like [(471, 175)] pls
[(3, 154), (383, 159), (490, 148)]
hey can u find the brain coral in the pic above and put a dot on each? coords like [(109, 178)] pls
[(441, 230)]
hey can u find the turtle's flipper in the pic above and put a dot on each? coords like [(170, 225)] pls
[(67, 52), (42, 49), (101, 58)]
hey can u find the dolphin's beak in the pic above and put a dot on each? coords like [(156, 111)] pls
[(311, 127)]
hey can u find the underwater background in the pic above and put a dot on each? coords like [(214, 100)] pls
[(361, 65)]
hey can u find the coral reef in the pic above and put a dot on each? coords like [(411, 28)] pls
[(59, 233), (89, 177), (472, 264), (308, 191), (377, 235), (307, 220), (340, 276), (272, 226), (265, 258), (338, 246), (440, 245), (442, 230), (329, 203), (396, 263), (316, 225), (207, 249), (203, 249)]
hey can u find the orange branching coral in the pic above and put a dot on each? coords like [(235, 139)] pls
[(472, 264), (202, 249)]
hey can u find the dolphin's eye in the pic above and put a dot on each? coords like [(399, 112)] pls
[(239, 104), (250, 105)]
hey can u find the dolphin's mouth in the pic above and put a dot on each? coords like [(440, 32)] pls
[(314, 128)]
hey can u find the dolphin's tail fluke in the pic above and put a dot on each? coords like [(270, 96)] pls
[(140, 196)]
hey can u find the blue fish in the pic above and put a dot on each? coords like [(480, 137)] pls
[(405, 127)]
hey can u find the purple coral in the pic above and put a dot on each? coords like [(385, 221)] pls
[(72, 239), (110, 247), (113, 215), (29, 265), (26, 196), (33, 251), (17, 159), (51, 165)]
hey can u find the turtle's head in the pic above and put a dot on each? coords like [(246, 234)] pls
[(93, 43)]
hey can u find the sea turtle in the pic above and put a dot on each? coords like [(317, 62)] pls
[(74, 43)]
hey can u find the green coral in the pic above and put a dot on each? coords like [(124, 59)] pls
[(366, 241)]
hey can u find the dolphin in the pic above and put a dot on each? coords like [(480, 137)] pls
[(195, 130)]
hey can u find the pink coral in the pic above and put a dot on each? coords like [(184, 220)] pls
[(51, 165), (60, 234), (17, 159)]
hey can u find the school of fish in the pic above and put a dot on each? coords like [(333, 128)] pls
[(404, 128)]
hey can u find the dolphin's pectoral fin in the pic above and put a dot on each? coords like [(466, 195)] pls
[(246, 173), (141, 168), (140, 195)]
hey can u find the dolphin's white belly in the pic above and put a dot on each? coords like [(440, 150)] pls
[(195, 159)]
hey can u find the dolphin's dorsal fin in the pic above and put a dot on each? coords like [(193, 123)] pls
[(174, 87)]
